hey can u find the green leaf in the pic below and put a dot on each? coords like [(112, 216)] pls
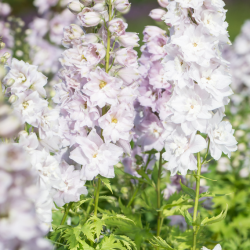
[(82, 202), (70, 237), (152, 151), (187, 216), (110, 243), (159, 242), (209, 194), (126, 241), (106, 182), (88, 232), (85, 246), (96, 225), (180, 201), (215, 219), (142, 173), (115, 219), (188, 190)]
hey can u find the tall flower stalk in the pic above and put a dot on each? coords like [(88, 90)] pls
[(184, 88)]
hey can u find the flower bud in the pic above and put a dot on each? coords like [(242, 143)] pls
[(99, 7), (86, 2), (163, 3), (13, 98), (157, 14), (89, 18), (122, 6), (2, 45), (129, 39), (6, 55), (75, 7), (10, 82)]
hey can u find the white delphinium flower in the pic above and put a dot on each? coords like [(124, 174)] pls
[(95, 156), (74, 187), (25, 76), (28, 105), (191, 108), (221, 137), (180, 149)]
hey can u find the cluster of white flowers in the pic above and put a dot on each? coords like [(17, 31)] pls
[(96, 105), (186, 83), (57, 181), (19, 223)]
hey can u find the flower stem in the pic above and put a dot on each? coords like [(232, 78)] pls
[(196, 203), (97, 195), (133, 197), (158, 189), (66, 213), (108, 39)]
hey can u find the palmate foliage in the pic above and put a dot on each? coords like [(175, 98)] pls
[(117, 226)]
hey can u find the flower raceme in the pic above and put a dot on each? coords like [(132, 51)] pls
[(99, 85), (185, 82)]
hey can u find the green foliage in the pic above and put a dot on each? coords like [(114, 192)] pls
[(159, 242), (215, 219), (188, 190)]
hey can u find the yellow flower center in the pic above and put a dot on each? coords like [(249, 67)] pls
[(25, 105), (114, 120), (195, 44), (84, 58), (102, 84)]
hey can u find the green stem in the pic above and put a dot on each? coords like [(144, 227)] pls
[(196, 203), (159, 196), (97, 195), (142, 187), (66, 213), (108, 39), (134, 195)]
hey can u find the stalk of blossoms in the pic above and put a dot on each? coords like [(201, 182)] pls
[(201, 87), (184, 88), (99, 85)]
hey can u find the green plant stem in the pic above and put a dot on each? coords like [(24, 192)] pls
[(158, 189), (108, 39), (97, 195), (196, 203), (137, 189), (66, 213), (133, 197)]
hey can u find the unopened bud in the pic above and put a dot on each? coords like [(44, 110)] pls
[(6, 55), (10, 82), (86, 2), (157, 14), (163, 3), (13, 98), (2, 45), (122, 6), (75, 7)]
